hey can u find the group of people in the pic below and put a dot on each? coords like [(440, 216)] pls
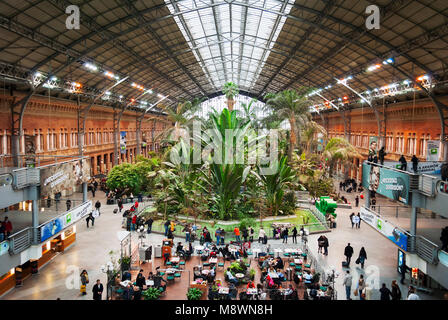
[(97, 289), (348, 253), (5, 229), (355, 220), (348, 185)]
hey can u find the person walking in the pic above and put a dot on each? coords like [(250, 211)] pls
[(149, 223), (348, 280), (120, 204), (84, 281), (357, 201), (245, 234), (285, 235), (218, 236), (98, 206), (326, 245), (381, 155), (223, 235), (320, 244), (403, 270), (97, 290), (414, 161), (90, 218), (294, 235), (356, 220), (396, 292), (251, 234), (187, 233), (167, 225), (134, 222), (385, 293), (92, 188), (352, 220), (261, 235), (362, 257), (361, 287), (348, 252), (236, 231), (404, 164)]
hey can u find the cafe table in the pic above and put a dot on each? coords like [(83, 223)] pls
[(199, 248), (251, 291), (298, 261), (239, 275), (277, 252), (213, 260), (149, 283), (223, 290), (175, 259), (125, 283)]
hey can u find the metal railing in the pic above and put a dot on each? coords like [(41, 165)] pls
[(426, 184), (37, 160), (25, 177), (426, 249), (20, 241), (320, 216)]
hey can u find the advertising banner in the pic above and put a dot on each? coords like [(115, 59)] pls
[(432, 152), (4, 247), (385, 228), (30, 151), (427, 167), (387, 182), (57, 225), (122, 142), (64, 176)]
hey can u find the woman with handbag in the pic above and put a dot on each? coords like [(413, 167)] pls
[(84, 281), (360, 290), (362, 257)]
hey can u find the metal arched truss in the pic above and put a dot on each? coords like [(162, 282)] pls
[(190, 48)]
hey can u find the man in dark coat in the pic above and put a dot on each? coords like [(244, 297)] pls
[(385, 293), (404, 164), (149, 224), (414, 163), (97, 290), (98, 206), (381, 155), (348, 252), (403, 270)]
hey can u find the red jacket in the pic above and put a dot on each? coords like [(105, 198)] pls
[(134, 219), (8, 226)]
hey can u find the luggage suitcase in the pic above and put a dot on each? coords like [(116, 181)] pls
[(115, 211), (83, 288), (344, 264)]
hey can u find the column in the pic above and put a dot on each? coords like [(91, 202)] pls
[(35, 212), (84, 192), (413, 229)]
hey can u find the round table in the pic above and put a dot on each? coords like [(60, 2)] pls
[(239, 275)]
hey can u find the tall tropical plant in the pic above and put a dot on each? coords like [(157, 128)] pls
[(293, 106), (340, 150), (230, 90), (275, 184)]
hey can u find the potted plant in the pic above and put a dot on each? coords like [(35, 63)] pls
[(194, 294), (151, 294), (125, 263)]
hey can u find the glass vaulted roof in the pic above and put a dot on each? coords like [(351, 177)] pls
[(230, 42)]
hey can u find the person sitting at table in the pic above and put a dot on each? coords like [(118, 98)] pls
[(279, 263), (158, 282), (180, 249), (137, 293), (289, 292), (270, 282), (231, 278), (213, 293), (211, 275), (197, 273), (140, 281), (150, 276), (128, 292), (308, 279)]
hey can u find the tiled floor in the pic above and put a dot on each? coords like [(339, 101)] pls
[(93, 245)]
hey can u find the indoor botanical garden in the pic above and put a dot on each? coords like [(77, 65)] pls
[(275, 152)]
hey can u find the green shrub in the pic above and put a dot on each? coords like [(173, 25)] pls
[(151, 294), (194, 294)]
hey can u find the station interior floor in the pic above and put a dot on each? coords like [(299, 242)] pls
[(93, 247)]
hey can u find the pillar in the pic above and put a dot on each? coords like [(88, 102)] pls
[(35, 213), (84, 192), (413, 227)]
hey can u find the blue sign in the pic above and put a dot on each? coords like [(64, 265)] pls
[(51, 228)]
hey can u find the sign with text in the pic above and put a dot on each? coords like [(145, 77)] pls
[(64, 176), (123, 142), (385, 228), (427, 167), (55, 226), (432, 152), (387, 182)]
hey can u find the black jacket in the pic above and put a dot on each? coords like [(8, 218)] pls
[(385, 294), (97, 291), (348, 251)]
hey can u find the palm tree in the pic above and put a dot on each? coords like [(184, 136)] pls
[(181, 117), (339, 149), (230, 90), (308, 135), (293, 106)]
